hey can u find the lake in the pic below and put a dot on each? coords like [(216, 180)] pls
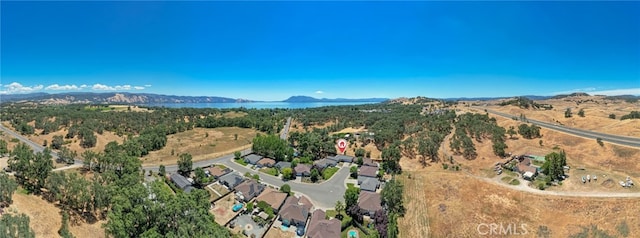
[(257, 105)]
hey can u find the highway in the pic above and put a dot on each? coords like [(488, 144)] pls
[(616, 139)]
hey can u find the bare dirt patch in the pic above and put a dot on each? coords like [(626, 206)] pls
[(470, 202), (222, 210), (202, 143), (101, 140), (46, 218)]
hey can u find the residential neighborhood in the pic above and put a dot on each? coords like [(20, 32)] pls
[(258, 204)]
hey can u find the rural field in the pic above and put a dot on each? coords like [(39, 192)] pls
[(451, 204), (596, 110), (46, 219), (202, 143)]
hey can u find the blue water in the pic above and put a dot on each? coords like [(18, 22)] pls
[(284, 228), (237, 207), (352, 233), (257, 105)]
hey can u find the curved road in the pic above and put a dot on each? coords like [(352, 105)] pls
[(621, 140)]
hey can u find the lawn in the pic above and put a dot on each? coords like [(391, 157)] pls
[(271, 171), (360, 233), (328, 172), (350, 185), (241, 161)]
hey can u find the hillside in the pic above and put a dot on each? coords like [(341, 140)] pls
[(115, 97), (295, 99)]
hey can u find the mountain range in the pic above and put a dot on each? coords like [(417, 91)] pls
[(149, 98)]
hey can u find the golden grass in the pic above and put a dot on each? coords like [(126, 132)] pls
[(220, 141), (46, 218), (596, 114), (449, 204)]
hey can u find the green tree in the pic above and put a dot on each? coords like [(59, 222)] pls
[(3, 147), (511, 132), (612, 116), (57, 142), (200, 178), (354, 172), (64, 228), (360, 152), (16, 226), (185, 164), (351, 196), (287, 173), (285, 188), (390, 196), (162, 171), (315, 175), (599, 140), (391, 158), (340, 207), (392, 227), (67, 155), (568, 113), (7, 187), (554, 165), (581, 112)]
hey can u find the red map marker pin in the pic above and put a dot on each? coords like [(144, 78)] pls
[(342, 145)]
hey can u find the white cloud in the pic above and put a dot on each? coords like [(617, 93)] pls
[(614, 92), (61, 87), (16, 87), (83, 86), (126, 87), (98, 86), (319, 92), (147, 85)]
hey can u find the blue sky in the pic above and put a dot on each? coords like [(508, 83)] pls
[(273, 50)]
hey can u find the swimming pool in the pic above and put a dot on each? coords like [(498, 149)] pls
[(353, 233), (237, 207)]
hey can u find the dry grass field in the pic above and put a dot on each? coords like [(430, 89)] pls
[(46, 218), (220, 141), (596, 110), (450, 204)]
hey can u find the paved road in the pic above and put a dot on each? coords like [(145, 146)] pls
[(36, 147), (285, 130), (622, 140), (323, 195)]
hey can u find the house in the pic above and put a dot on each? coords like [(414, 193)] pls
[(369, 184), (526, 170), (344, 158), (217, 172), (369, 202), (272, 197), (266, 162), (231, 180), (252, 159), (369, 162), (181, 182), (302, 170), (294, 211), (368, 171), (249, 189), (281, 165), (319, 227), (324, 163)]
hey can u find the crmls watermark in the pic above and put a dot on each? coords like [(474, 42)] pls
[(489, 229)]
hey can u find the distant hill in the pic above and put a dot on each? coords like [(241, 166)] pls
[(296, 99), (114, 97)]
